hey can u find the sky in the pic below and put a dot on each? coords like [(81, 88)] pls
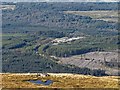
[(59, 0)]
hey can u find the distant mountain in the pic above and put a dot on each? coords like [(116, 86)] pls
[(86, 0), (59, 0)]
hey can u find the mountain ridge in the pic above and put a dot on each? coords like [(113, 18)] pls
[(60, 0)]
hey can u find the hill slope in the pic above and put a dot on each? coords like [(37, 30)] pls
[(61, 80)]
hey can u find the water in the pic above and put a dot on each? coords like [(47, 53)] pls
[(47, 82)]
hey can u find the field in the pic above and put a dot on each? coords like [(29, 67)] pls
[(12, 35), (61, 80), (94, 60), (99, 15)]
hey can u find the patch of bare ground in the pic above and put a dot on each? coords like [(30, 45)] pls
[(93, 60), (9, 7)]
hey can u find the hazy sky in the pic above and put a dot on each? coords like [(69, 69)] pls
[(59, 0)]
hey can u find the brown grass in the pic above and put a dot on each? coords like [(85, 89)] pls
[(60, 81)]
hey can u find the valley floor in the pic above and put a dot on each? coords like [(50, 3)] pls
[(60, 80)]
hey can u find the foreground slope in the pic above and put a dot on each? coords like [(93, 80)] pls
[(61, 80)]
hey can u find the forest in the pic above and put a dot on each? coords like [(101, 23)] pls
[(29, 29)]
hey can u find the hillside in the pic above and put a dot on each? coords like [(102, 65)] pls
[(61, 80), (111, 16), (30, 32)]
